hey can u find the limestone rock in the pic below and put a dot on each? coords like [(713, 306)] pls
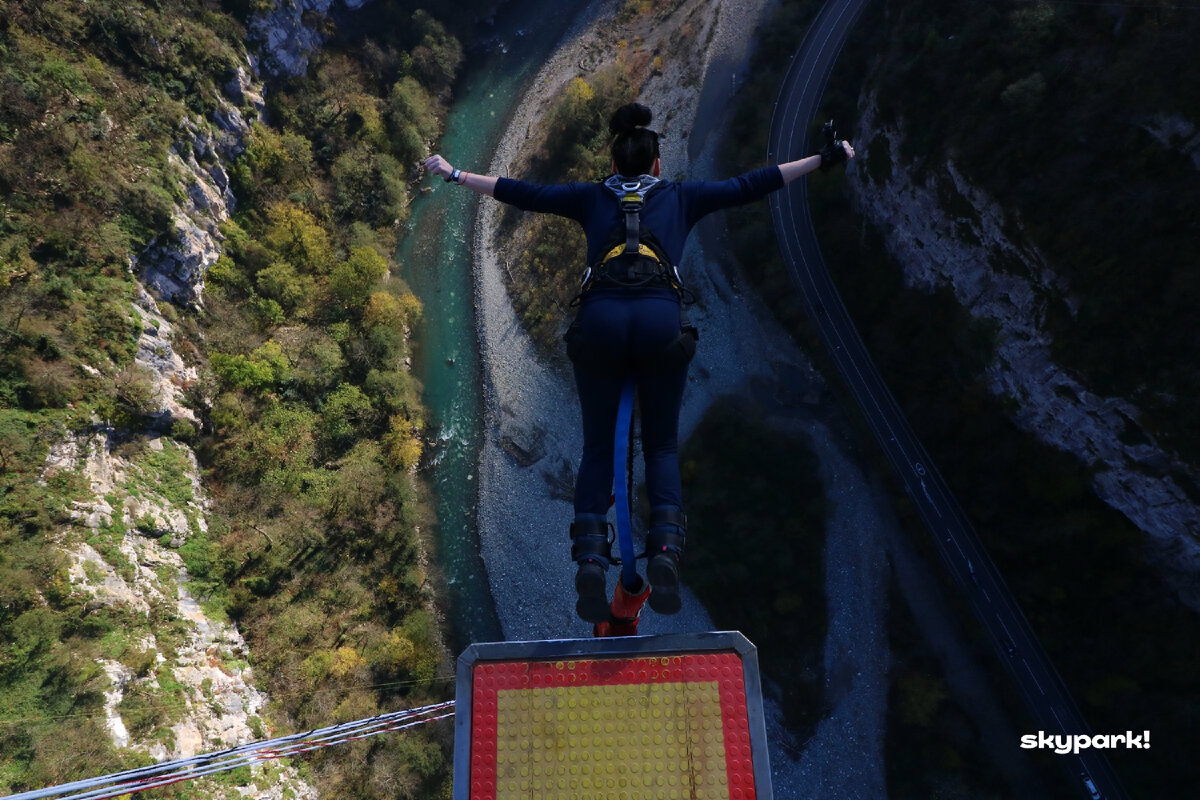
[(285, 40), (145, 577), (1176, 132)]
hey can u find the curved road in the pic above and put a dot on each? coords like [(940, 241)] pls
[(1044, 692)]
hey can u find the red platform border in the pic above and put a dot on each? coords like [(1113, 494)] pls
[(726, 669)]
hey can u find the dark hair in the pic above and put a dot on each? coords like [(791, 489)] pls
[(634, 146)]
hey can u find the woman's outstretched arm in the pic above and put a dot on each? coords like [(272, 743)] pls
[(795, 169), (484, 184)]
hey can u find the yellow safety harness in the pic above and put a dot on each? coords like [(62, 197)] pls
[(638, 260)]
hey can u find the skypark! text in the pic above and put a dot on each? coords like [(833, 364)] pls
[(1073, 743)]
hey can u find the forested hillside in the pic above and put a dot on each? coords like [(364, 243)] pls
[(1080, 121), (1083, 119), (301, 405)]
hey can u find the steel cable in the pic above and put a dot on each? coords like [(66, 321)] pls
[(169, 772)]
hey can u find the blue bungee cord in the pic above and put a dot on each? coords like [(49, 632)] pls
[(629, 574)]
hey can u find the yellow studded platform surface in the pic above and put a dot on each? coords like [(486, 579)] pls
[(652, 726)]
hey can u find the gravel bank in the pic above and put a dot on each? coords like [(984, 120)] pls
[(532, 437)]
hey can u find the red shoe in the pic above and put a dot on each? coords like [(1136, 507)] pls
[(625, 611)]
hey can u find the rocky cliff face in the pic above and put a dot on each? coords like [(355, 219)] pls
[(147, 502), (288, 35), (946, 232), (174, 663), (173, 266)]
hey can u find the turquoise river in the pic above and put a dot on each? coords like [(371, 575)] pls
[(435, 259)]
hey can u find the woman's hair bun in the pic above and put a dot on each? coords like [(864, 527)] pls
[(628, 118)]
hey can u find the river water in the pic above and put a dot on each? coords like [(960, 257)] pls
[(435, 261)]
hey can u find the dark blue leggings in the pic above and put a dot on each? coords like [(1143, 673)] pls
[(618, 335)]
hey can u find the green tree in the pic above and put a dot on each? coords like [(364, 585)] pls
[(242, 372), (436, 60), (351, 281), (296, 236), (359, 485), (369, 185), (413, 117), (282, 283), (345, 413), (282, 445), (275, 166)]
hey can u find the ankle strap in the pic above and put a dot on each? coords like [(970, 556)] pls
[(668, 515), (590, 541)]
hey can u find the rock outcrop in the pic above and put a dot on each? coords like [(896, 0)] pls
[(287, 36), (174, 264), (145, 503), (960, 249)]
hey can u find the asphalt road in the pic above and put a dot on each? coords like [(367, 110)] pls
[(971, 568)]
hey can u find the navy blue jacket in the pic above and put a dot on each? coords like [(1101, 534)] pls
[(670, 211)]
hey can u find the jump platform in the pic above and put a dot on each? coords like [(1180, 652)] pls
[(622, 718)]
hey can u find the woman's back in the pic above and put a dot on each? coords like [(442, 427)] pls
[(670, 209)]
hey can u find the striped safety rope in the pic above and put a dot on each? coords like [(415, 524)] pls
[(168, 772)]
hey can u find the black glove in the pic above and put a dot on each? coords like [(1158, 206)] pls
[(833, 153)]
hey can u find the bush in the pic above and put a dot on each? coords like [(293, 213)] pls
[(351, 281), (243, 372), (296, 294), (135, 394), (345, 414), (295, 235)]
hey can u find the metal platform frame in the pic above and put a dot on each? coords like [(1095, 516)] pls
[(616, 649)]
